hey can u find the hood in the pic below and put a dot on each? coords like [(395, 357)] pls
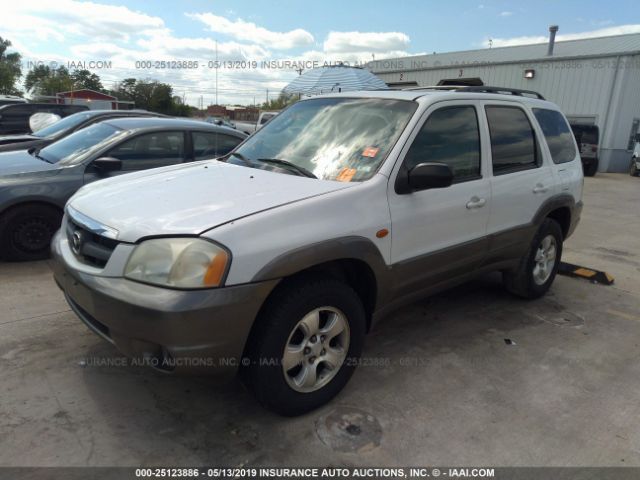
[(20, 161), (190, 199), (5, 139), (25, 145)]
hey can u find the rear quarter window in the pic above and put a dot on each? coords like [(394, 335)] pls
[(557, 134)]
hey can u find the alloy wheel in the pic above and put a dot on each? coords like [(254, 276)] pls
[(545, 260), (316, 349)]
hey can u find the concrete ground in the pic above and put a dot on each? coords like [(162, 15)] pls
[(471, 376)]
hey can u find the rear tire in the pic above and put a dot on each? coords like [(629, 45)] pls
[(591, 169), (633, 170), (280, 338), (538, 267), (26, 232)]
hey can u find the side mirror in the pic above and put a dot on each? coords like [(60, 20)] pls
[(108, 164), (430, 175)]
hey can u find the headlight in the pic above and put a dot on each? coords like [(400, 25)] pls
[(178, 262)]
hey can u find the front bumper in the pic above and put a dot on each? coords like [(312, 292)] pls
[(194, 332)]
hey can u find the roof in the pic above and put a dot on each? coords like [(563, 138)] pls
[(131, 123), (74, 93), (427, 96), (132, 113), (588, 47)]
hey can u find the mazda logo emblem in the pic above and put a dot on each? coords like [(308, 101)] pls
[(76, 242)]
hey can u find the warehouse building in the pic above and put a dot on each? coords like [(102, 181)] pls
[(594, 81)]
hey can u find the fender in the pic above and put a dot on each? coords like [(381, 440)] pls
[(343, 248), (553, 203)]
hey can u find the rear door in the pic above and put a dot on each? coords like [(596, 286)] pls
[(441, 233), (522, 177)]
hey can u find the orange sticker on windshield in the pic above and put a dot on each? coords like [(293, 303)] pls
[(346, 174), (370, 152)]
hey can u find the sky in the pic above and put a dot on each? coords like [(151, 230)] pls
[(263, 42)]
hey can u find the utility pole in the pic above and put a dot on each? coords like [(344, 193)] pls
[(267, 96)]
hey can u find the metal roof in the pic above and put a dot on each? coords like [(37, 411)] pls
[(588, 47)]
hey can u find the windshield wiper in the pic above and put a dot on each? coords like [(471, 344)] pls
[(289, 166), (36, 153)]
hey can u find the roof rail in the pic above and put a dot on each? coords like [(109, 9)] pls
[(482, 89)]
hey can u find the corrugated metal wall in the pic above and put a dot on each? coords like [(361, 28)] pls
[(580, 87)]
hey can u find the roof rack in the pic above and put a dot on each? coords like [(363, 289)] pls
[(482, 89)]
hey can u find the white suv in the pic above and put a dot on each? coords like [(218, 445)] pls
[(276, 259)]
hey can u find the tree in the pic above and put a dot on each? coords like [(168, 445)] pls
[(10, 69), (283, 100), (125, 90), (44, 80), (150, 95), (86, 79)]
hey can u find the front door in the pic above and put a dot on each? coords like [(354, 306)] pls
[(440, 233), (145, 151)]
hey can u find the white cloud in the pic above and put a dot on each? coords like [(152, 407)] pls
[(201, 48), (343, 42), (70, 30), (62, 18), (506, 14), (248, 31), (528, 40)]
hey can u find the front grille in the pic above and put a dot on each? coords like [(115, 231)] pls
[(89, 247)]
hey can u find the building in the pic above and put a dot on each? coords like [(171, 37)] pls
[(234, 113), (94, 100), (594, 81)]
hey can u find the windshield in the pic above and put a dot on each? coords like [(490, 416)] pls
[(344, 139), (58, 128), (79, 145)]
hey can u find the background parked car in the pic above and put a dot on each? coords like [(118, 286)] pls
[(634, 168), (11, 99), (220, 121), (35, 184), (250, 128), (15, 118), (64, 127), (587, 138)]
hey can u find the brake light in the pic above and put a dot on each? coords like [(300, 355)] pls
[(593, 149)]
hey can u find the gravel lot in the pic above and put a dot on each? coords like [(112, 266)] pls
[(452, 391)]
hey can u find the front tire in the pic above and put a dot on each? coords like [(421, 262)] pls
[(26, 232), (591, 169), (305, 346), (538, 267), (633, 169)]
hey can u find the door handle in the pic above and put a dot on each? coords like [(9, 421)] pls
[(540, 188), (476, 202)]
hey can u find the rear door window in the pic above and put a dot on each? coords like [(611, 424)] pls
[(557, 133), (513, 141)]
